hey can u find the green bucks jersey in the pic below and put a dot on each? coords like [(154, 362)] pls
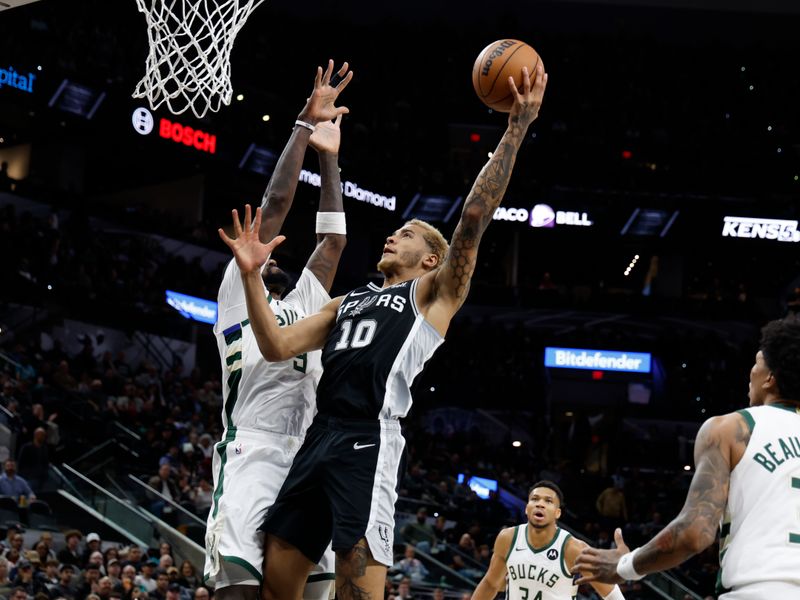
[(538, 573), (760, 533)]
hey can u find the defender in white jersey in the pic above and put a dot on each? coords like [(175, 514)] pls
[(747, 482), (353, 451), (269, 406), (535, 560)]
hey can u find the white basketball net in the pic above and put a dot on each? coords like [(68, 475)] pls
[(189, 64)]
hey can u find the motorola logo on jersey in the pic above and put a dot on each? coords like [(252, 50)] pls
[(552, 554)]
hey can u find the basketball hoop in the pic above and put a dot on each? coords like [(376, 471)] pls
[(189, 63)]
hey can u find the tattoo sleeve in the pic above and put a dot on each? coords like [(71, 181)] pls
[(695, 528), (350, 567), (483, 199)]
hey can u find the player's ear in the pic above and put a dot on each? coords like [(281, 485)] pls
[(430, 262), (558, 513)]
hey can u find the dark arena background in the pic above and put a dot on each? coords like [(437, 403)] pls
[(667, 147)]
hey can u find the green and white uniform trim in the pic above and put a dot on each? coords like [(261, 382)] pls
[(760, 529), (538, 573), (266, 410)]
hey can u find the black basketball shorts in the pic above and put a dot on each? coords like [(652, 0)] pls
[(342, 487)]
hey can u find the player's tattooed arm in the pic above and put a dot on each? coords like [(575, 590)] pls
[(452, 279), (695, 528)]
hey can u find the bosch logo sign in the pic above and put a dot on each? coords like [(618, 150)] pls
[(143, 124), (142, 121)]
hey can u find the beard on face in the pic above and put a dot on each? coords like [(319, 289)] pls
[(276, 280), (407, 259)]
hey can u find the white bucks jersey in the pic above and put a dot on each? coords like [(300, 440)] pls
[(538, 573), (271, 396), (760, 534)]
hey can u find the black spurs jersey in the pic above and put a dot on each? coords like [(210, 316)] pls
[(378, 346)]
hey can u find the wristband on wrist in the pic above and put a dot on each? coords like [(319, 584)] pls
[(625, 567), (615, 594), (331, 222), (309, 126)]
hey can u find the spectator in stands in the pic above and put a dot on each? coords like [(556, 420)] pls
[(410, 566), (165, 562), (12, 556), (114, 571), (135, 555), (90, 580), (203, 496), (47, 539), (104, 588), (13, 485), (164, 483), (12, 530), (70, 554), (438, 594), (188, 575), (92, 545), (173, 591), (418, 531), (50, 573), (19, 593), (611, 506), (404, 589), (441, 531), (34, 459), (25, 578), (16, 541), (201, 593), (5, 583), (164, 548), (162, 583), (145, 578)]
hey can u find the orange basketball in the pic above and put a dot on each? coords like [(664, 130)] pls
[(495, 64)]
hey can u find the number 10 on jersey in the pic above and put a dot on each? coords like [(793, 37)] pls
[(356, 336)]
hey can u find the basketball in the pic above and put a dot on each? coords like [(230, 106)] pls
[(493, 66)]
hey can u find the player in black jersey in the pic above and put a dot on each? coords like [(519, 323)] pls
[(375, 340)]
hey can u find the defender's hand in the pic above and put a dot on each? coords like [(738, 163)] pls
[(600, 565), (327, 137), (248, 250), (527, 104), (320, 105)]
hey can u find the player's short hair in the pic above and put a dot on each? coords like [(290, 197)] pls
[(434, 238), (780, 345), (550, 485)]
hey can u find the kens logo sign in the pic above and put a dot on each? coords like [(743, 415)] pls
[(765, 229), (143, 123)]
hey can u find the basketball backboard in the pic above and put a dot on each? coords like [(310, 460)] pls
[(4, 4)]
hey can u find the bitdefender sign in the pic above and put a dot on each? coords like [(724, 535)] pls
[(765, 229), (191, 307), (597, 360), (543, 215)]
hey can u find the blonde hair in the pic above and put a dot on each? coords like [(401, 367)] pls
[(434, 238)]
